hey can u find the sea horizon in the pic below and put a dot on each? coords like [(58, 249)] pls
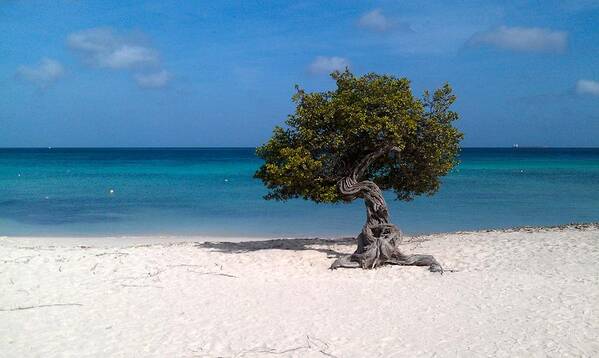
[(254, 147)]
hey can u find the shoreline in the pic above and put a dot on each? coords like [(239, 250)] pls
[(170, 239), (515, 292)]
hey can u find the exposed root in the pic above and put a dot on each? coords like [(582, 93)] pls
[(378, 247)]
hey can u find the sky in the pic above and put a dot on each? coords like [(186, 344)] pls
[(221, 73)]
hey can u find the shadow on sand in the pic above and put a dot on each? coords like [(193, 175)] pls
[(320, 245)]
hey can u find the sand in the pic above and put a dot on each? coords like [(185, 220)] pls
[(525, 292)]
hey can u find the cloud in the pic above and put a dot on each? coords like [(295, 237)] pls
[(523, 39), (375, 21), (444, 30), (328, 64), (103, 47), (129, 56), (43, 74), (587, 87), (153, 80)]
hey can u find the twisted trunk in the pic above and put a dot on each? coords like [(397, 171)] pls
[(378, 242)]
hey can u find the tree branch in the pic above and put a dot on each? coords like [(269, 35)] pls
[(365, 162)]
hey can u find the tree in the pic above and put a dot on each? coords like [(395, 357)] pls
[(368, 135)]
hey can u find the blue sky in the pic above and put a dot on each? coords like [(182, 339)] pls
[(221, 73)]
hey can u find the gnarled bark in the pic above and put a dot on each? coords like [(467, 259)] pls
[(378, 242)]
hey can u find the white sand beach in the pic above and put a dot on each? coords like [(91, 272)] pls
[(521, 292)]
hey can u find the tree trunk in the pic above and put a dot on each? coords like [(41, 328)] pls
[(378, 242)]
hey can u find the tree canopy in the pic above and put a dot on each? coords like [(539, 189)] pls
[(332, 132)]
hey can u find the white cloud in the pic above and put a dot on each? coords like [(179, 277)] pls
[(375, 20), (525, 39), (153, 80), (444, 29), (587, 87), (328, 64), (128, 56), (103, 47), (42, 74)]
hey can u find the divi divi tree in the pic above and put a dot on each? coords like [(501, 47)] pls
[(369, 135)]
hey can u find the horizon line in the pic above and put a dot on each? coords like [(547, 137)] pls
[(254, 147)]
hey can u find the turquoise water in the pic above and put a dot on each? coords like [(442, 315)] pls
[(49, 192)]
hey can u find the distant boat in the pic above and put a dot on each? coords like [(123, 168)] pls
[(515, 145)]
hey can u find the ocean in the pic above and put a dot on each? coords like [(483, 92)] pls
[(211, 192)]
